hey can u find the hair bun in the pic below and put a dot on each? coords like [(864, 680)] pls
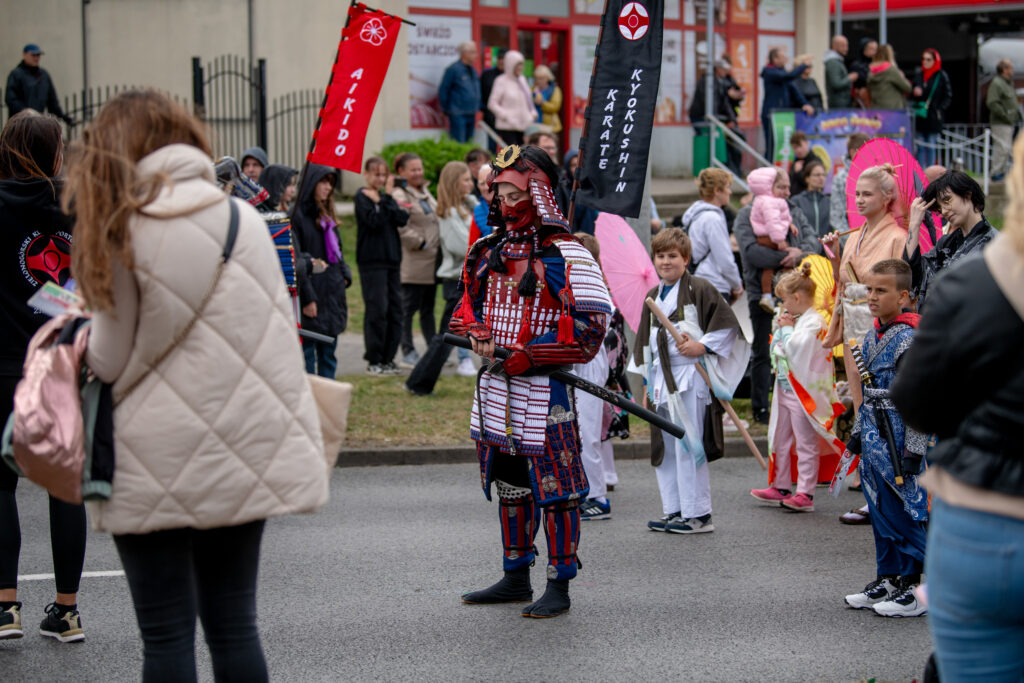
[(888, 168), (805, 269)]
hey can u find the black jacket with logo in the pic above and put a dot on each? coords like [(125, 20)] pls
[(35, 247)]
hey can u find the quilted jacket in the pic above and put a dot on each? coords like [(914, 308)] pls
[(225, 430)]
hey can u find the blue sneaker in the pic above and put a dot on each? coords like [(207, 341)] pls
[(594, 509)]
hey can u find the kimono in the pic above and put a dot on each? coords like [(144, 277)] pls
[(808, 369)]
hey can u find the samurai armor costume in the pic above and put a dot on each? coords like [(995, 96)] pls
[(533, 289), (898, 511)]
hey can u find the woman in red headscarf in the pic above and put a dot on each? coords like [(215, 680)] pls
[(931, 96)]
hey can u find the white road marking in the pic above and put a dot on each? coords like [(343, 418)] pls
[(85, 575)]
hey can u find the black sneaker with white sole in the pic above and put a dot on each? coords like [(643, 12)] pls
[(62, 623)]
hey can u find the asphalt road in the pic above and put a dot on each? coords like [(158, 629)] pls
[(368, 589)]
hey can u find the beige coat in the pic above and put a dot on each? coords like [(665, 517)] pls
[(225, 430), (421, 236)]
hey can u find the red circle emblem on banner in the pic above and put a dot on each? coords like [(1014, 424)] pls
[(634, 21)]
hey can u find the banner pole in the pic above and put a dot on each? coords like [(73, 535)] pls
[(709, 79), (319, 118), (586, 123)]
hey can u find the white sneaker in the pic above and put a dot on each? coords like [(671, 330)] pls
[(902, 604), (466, 368), (873, 593), (767, 303)]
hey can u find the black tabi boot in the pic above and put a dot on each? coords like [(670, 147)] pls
[(555, 601), (513, 587)]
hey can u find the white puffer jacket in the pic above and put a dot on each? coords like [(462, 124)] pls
[(225, 430)]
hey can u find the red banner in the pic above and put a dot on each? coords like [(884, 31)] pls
[(363, 57)]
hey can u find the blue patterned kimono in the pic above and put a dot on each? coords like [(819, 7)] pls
[(881, 355)]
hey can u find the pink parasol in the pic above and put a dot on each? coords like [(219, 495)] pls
[(909, 177), (627, 266)]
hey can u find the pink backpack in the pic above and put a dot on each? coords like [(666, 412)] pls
[(45, 434)]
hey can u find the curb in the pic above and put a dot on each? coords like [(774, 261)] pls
[(631, 449)]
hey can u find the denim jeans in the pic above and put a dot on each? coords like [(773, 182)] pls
[(926, 155), (175, 574), (320, 358), (975, 570), (461, 126)]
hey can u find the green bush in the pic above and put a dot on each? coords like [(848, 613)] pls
[(435, 154)]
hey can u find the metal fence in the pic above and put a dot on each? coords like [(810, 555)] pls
[(965, 147), (83, 106), (291, 121), (229, 94)]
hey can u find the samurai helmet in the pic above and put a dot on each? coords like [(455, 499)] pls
[(530, 170)]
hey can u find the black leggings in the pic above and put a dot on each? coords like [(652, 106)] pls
[(174, 575), (67, 522)]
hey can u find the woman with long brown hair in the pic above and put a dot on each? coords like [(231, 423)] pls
[(215, 426), (35, 248)]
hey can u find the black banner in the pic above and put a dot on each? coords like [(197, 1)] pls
[(620, 114)]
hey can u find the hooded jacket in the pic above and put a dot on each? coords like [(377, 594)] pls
[(275, 179), (30, 87), (938, 101), (35, 248), (224, 431), (1001, 101), (257, 153), (711, 255), (511, 101), (770, 216), (888, 86), (327, 289), (837, 82)]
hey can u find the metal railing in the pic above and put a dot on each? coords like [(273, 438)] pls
[(965, 147), (736, 140)]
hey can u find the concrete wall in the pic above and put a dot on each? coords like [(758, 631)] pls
[(812, 35), (152, 42)]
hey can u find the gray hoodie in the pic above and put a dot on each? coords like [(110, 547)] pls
[(711, 249)]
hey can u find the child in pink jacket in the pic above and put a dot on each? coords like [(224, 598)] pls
[(770, 219)]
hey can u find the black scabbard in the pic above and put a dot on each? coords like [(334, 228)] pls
[(578, 382)]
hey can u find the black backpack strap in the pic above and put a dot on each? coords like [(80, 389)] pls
[(229, 242)]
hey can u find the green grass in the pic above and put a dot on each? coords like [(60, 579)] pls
[(385, 415)]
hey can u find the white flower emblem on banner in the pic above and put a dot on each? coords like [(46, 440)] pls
[(374, 32)]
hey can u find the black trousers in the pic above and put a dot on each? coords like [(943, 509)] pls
[(428, 369), (418, 298), (176, 574), (67, 522), (382, 324), (760, 361)]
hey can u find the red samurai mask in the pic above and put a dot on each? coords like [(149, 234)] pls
[(531, 171)]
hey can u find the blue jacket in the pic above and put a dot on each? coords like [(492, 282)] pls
[(459, 92), (777, 93)]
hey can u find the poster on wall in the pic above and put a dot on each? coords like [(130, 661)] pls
[(695, 12), (742, 11), (775, 15), (743, 71), (584, 46), (828, 131), (670, 91), (764, 44), (433, 45), (695, 43)]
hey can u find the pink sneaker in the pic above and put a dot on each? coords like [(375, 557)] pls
[(800, 502), (769, 495)]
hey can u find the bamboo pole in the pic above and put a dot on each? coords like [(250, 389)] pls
[(667, 324)]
